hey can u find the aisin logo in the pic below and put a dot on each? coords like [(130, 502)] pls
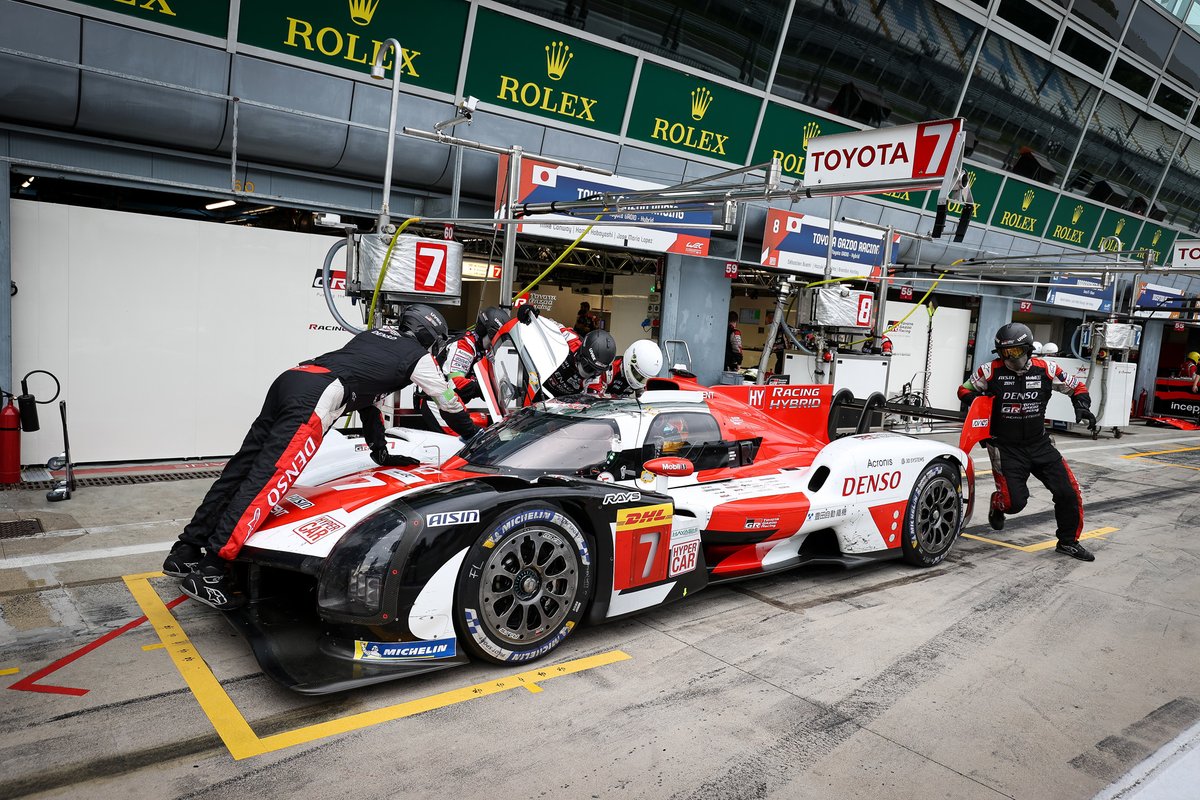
[(361, 11), (701, 99), (558, 57)]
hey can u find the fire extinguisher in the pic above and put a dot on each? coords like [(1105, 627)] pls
[(10, 442), (1140, 408)]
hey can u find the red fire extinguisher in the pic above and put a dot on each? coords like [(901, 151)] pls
[(1140, 408), (10, 443)]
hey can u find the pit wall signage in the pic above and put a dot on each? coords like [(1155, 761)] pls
[(1119, 225), (1074, 222), (785, 133), (985, 191), (1158, 239), (537, 70), (1023, 208), (348, 33), (208, 17), (692, 114), (800, 243)]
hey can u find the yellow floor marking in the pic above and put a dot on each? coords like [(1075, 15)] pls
[(149, 647), (1162, 452), (1033, 548), (10, 671), (240, 738)]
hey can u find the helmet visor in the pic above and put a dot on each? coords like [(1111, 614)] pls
[(1015, 352)]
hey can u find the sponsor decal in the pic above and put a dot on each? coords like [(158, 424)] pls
[(621, 497), (278, 511), (765, 523), (606, 477), (826, 513), (644, 516), (979, 423), (298, 501), (445, 518), (683, 558), (405, 651), (869, 484), (915, 459), (337, 279), (316, 326), (642, 546), (317, 529), (874, 463)]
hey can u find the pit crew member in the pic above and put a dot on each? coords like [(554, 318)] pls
[(590, 356), (301, 405), (629, 373), (1020, 446)]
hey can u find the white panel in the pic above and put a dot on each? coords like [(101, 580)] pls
[(166, 333), (947, 359), (628, 304)]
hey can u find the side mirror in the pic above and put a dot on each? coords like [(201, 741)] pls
[(668, 467)]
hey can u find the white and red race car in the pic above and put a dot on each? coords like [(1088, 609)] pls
[(581, 509)]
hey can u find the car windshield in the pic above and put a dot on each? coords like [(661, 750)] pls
[(536, 440)]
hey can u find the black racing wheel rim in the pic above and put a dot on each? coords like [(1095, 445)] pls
[(528, 585), (938, 508)]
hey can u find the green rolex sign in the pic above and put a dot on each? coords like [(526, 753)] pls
[(545, 72), (348, 34), (1023, 207), (1157, 238), (210, 17), (985, 189), (1074, 222), (785, 133), (1119, 224), (695, 115)]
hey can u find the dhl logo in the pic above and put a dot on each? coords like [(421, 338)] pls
[(644, 516)]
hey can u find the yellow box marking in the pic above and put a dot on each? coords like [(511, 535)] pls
[(1033, 548), (1162, 453), (10, 671), (240, 738)]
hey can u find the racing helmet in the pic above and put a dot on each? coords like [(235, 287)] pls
[(1194, 357), (1014, 345), (488, 324), (642, 361), (595, 354), (425, 324)]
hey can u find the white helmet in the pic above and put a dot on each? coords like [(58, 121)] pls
[(641, 361)]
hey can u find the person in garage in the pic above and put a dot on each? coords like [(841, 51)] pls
[(1190, 370), (590, 356), (1020, 446), (733, 344), (301, 405)]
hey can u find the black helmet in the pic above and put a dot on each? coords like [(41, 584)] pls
[(424, 324), (595, 354), (1014, 344), (488, 323)]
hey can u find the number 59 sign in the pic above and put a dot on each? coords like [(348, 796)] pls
[(429, 268)]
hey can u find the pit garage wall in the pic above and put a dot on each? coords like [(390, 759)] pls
[(948, 358), (695, 308), (165, 333)]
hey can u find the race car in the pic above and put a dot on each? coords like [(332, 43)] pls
[(580, 510)]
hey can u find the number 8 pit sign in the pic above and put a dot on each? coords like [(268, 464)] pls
[(417, 267)]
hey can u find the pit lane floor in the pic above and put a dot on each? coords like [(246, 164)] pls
[(1007, 671)]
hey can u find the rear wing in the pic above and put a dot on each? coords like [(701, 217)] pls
[(846, 410)]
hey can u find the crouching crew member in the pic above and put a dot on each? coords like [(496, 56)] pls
[(628, 375), (590, 356), (301, 405), (1019, 445)]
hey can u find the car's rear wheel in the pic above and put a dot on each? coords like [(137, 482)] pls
[(934, 515), (524, 585)]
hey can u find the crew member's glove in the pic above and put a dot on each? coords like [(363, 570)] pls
[(383, 458), (525, 313), (1083, 410)]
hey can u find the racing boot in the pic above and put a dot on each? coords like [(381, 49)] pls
[(210, 584), (1075, 550), (995, 515), (182, 560)]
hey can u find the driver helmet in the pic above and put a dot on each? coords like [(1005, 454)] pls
[(425, 324), (488, 324), (1014, 345), (674, 435), (1194, 357), (595, 354), (642, 361)]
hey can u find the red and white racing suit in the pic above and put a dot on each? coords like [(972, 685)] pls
[(300, 407), (1019, 444)]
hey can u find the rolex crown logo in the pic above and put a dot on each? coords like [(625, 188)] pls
[(1027, 199), (558, 56), (1076, 214), (811, 130), (701, 99), (1157, 236), (361, 11), (1120, 226)]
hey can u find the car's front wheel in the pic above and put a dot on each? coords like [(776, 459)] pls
[(524, 585), (934, 515)]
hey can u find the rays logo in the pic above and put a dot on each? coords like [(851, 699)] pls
[(621, 497)]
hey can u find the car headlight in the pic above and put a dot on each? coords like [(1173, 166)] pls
[(353, 576)]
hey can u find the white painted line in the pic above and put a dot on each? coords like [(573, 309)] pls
[(22, 562), (1172, 772)]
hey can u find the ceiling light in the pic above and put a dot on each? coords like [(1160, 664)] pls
[(220, 204), (27, 182)]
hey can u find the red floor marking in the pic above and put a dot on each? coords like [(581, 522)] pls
[(29, 682)]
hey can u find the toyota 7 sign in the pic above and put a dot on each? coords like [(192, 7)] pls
[(917, 156)]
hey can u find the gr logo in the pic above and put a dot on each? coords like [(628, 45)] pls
[(621, 497)]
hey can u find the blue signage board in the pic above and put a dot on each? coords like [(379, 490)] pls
[(1083, 293)]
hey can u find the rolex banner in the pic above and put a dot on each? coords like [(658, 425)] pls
[(654, 230), (800, 243)]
